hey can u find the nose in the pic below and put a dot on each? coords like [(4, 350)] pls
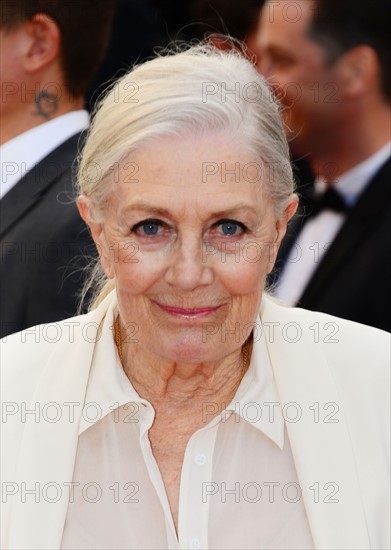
[(188, 269), (264, 65), (270, 72)]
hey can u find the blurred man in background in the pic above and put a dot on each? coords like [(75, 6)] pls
[(238, 19), (330, 64), (50, 51)]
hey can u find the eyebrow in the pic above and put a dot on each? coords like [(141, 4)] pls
[(159, 211), (277, 50), (145, 207)]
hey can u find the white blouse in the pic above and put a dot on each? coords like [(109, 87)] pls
[(238, 487)]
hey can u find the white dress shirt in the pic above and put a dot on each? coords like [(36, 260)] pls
[(238, 487), (20, 154), (319, 232)]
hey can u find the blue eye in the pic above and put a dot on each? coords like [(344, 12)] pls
[(148, 228), (230, 228)]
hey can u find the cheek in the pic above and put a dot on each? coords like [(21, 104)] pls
[(243, 273), (136, 272), (243, 282)]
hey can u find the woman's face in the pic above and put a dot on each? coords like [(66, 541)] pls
[(189, 234)]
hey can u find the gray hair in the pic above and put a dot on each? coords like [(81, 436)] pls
[(197, 90)]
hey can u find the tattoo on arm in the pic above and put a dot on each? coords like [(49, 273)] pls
[(46, 104)]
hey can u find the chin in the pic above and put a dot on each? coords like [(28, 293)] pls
[(189, 347)]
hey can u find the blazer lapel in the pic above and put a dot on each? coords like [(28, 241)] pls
[(360, 219), (319, 438), (48, 448), (34, 184)]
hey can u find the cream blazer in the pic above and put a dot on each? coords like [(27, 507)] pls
[(317, 360)]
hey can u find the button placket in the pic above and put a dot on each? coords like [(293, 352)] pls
[(196, 472)]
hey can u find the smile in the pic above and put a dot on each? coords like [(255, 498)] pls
[(188, 313)]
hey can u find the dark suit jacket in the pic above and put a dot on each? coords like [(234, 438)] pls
[(353, 279), (44, 244)]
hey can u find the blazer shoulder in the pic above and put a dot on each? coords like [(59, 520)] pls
[(26, 354), (341, 341), (358, 338), (358, 356)]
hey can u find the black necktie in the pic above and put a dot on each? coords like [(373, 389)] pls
[(330, 200)]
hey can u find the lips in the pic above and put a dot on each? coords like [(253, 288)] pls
[(188, 313)]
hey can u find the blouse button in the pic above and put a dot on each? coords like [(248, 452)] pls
[(195, 544), (200, 460)]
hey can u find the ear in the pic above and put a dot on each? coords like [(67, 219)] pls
[(360, 70), (42, 45), (280, 229), (86, 211)]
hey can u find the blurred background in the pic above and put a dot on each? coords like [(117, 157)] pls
[(141, 27)]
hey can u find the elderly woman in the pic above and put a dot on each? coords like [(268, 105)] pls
[(187, 409)]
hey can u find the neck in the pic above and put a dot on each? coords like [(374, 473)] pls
[(354, 144), (182, 385), (40, 110)]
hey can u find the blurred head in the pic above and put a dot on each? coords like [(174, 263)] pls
[(237, 19), (187, 189), (74, 33), (329, 63)]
